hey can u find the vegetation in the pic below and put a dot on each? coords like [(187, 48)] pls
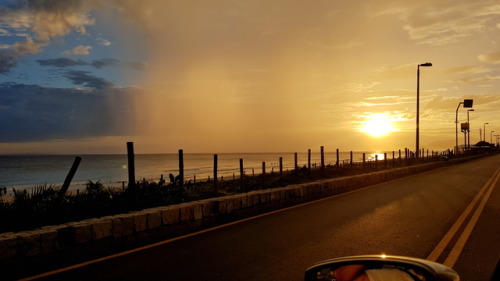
[(46, 205)]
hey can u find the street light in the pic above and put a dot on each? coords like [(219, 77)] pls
[(468, 131), (427, 64), (491, 137), (484, 131), (467, 104)]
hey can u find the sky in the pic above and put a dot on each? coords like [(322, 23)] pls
[(87, 76)]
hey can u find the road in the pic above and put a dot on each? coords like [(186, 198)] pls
[(409, 217)]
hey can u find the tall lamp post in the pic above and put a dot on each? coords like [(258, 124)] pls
[(484, 131), (427, 64), (491, 136), (467, 104), (468, 130)]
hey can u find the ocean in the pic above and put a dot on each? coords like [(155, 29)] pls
[(28, 171)]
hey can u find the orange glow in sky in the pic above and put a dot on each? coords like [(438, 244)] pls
[(378, 125), (258, 76)]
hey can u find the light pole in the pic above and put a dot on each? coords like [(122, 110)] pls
[(467, 104), (427, 64), (468, 130), (484, 131), (491, 136), (456, 127)]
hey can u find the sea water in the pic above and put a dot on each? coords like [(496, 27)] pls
[(28, 171)]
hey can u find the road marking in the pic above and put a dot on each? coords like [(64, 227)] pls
[(459, 245)]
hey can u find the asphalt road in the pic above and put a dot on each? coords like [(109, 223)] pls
[(407, 217)]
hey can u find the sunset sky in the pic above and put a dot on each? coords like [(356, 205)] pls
[(87, 76)]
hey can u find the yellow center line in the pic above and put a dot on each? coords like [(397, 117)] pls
[(459, 246), (454, 229)]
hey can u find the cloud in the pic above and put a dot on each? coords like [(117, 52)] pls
[(444, 22), (469, 69), (78, 50), (37, 22), (103, 42), (85, 79), (61, 62), (7, 61), (34, 113), (116, 63), (104, 62), (493, 58), (486, 78)]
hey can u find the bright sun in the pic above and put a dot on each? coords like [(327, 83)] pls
[(378, 125)]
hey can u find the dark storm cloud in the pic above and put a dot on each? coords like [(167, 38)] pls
[(104, 62), (98, 64), (7, 61), (113, 62), (61, 62), (85, 79), (34, 113)]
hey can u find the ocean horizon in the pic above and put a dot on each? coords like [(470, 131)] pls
[(28, 171)]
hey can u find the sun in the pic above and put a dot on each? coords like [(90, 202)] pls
[(378, 125)]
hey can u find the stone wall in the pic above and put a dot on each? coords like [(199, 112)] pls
[(115, 233)]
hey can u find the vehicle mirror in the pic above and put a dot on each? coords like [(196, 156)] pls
[(382, 267)]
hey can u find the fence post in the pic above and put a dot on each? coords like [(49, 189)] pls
[(131, 164), (296, 161), (242, 174), (216, 161), (69, 177), (181, 168), (364, 159), (338, 159), (263, 174), (385, 159), (351, 158), (322, 157), (309, 159), (281, 166)]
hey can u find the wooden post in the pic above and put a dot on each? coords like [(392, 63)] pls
[(364, 159), (351, 159), (263, 174), (242, 174), (296, 161), (181, 167), (385, 159), (309, 159), (322, 157), (376, 161), (131, 164), (338, 159), (216, 161), (69, 177), (281, 166)]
